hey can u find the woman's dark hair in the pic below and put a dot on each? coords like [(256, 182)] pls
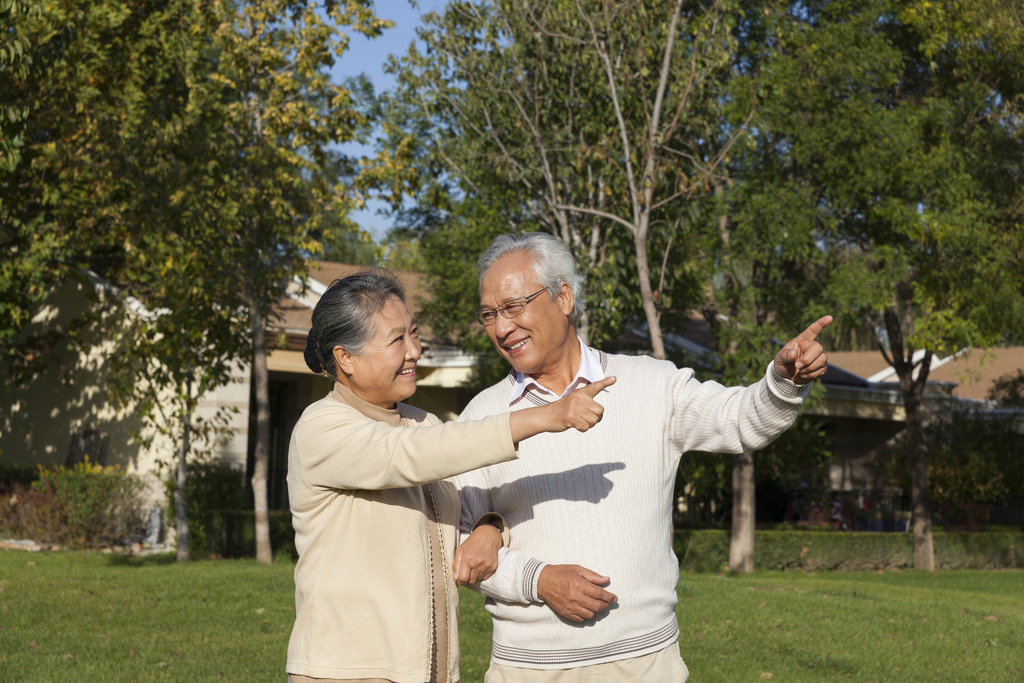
[(346, 316)]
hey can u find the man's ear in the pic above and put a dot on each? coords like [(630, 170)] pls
[(566, 299), (344, 360)]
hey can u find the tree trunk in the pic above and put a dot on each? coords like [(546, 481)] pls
[(261, 455), (180, 491), (643, 272), (912, 389), (924, 555), (741, 542)]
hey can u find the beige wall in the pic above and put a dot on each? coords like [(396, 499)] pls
[(39, 417)]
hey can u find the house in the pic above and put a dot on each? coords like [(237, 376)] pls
[(64, 413)]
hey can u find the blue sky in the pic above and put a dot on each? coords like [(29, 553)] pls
[(368, 57)]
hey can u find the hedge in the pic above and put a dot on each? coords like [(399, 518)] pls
[(708, 550), (232, 533)]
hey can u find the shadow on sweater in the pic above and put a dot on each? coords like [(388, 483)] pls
[(516, 499)]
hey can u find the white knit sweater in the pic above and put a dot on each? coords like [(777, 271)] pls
[(603, 499)]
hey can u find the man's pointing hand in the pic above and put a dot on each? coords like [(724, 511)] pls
[(803, 359)]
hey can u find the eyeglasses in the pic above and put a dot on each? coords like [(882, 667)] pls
[(509, 309)]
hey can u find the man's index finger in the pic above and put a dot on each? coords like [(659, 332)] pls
[(816, 327)]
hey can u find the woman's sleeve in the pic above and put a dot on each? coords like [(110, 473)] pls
[(339, 448)]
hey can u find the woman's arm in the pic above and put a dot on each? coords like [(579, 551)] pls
[(335, 446)]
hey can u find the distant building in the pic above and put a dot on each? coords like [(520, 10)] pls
[(64, 414)]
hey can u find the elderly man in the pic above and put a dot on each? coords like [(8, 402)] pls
[(602, 499)]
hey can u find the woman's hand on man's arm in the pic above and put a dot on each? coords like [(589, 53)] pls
[(477, 558)]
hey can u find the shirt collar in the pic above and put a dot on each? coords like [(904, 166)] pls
[(589, 371)]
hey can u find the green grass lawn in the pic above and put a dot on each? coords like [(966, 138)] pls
[(91, 617)]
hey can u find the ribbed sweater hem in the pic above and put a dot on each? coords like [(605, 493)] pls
[(635, 646)]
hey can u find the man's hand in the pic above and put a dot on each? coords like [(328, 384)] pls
[(573, 591), (578, 410), (477, 558), (803, 360)]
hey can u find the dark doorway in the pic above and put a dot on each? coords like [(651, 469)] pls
[(284, 413)]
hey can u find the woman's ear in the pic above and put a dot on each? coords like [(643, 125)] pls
[(344, 360)]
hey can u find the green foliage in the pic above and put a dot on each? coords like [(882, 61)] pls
[(16, 61), (212, 486), (570, 119), (708, 550), (342, 241), (231, 533), (974, 458), (96, 89), (87, 505), (964, 513)]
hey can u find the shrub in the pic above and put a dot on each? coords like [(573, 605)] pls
[(37, 515), (86, 505), (708, 550), (212, 486), (974, 458), (812, 503), (233, 533)]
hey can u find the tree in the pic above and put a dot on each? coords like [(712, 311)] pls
[(86, 87), (585, 118), (264, 102), (175, 352), (761, 270), (16, 61), (895, 125)]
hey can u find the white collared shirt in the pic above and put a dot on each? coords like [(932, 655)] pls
[(590, 371)]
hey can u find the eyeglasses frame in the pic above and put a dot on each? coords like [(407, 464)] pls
[(502, 309)]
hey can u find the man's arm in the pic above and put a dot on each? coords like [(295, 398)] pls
[(712, 418), (570, 590), (513, 580)]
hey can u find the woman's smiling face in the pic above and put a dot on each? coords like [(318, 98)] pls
[(385, 372)]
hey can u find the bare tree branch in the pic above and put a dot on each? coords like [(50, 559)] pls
[(602, 214)]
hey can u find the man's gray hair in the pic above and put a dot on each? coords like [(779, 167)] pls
[(552, 264)]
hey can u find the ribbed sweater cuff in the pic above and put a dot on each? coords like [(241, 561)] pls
[(783, 388), (531, 579)]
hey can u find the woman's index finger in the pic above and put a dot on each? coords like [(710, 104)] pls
[(594, 388)]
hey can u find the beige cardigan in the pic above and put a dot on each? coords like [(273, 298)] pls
[(363, 600)]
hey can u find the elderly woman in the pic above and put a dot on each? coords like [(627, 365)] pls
[(375, 525)]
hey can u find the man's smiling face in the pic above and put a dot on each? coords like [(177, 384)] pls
[(535, 341)]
